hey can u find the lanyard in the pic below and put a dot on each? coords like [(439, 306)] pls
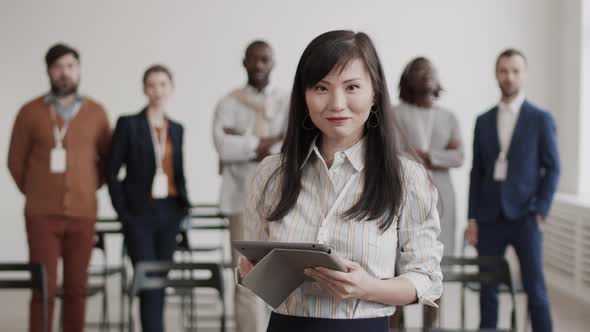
[(159, 147), (506, 123), (58, 133)]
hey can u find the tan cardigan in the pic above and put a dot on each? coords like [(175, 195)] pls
[(87, 142)]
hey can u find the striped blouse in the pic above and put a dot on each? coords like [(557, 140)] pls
[(317, 217)]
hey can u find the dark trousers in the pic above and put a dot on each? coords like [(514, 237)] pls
[(153, 238), (71, 238), (285, 323), (526, 237)]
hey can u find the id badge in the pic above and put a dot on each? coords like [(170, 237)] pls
[(57, 162), (160, 185), (500, 169)]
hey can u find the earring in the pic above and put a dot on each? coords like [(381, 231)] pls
[(312, 127), (375, 120)]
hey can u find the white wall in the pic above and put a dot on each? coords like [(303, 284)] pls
[(585, 105), (203, 42), (565, 35)]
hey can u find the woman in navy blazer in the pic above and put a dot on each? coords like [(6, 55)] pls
[(152, 199)]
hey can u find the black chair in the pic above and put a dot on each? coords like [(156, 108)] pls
[(183, 277), (502, 289), (113, 226), (36, 281), (204, 217), (481, 271), (183, 246)]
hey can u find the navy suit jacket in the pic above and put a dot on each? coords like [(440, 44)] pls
[(132, 146), (533, 167)]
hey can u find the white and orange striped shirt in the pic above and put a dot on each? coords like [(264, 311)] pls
[(310, 220)]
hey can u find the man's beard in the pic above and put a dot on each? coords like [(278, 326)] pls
[(62, 90), (506, 93)]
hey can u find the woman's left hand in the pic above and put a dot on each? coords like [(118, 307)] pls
[(354, 284)]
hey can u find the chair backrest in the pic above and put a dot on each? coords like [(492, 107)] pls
[(37, 280), (182, 242), (491, 271), (157, 275), (103, 227), (205, 206), (206, 211)]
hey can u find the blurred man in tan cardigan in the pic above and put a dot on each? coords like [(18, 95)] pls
[(57, 151)]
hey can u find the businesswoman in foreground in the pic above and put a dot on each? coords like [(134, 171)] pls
[(152, 200), (340, 181)]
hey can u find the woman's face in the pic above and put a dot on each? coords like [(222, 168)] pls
[(158, 88), (339, 104)]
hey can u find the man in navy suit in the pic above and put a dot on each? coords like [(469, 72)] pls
[(513, 178)]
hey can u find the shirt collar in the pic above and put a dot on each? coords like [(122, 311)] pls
[(355, 154), (515, 105), (50, 98)]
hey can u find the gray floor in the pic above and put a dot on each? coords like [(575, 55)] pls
[(568, 315)]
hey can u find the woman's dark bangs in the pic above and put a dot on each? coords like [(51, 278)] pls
[(322, 61)]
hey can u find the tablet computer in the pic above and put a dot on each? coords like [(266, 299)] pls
[(256, 250), (279, 266)]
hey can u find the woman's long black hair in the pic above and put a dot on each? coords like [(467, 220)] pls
[(382, 191)]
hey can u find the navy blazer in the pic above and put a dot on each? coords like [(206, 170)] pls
[(533, 167), (132, 146)]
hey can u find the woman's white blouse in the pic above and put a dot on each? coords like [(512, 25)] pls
[(317, 217)]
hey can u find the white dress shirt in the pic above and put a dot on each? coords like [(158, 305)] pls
[(238, 152), (317, 217), (506, 122), (507, 117)]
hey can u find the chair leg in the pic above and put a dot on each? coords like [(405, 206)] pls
[(223, 315), (188, 315), (181, 314), (123, 295), (462, 306), (184, 311), (105, 321), (130, 315)]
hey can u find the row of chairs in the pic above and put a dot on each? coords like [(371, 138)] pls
[(34, 278), (469, 272), (471, 278), (184, 276), (203, 217), (100, 274), (148, 275)]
